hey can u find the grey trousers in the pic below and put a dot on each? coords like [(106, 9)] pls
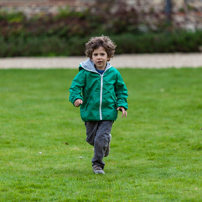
[(98, 136)]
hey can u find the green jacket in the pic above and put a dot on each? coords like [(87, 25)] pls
[(101, 93)]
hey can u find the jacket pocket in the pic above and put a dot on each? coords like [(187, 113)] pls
[(109, 101), (91, 109)]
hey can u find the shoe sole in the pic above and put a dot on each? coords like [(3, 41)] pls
[(99, 172)]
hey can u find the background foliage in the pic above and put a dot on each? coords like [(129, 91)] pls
[(66, 33)]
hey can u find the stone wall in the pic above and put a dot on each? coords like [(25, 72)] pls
[(187, 15), (36, 6), (31, 7)]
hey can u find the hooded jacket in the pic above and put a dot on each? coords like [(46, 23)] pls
[(102, 94)]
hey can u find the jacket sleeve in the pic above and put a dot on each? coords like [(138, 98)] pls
[(76, 87), (121, 92)]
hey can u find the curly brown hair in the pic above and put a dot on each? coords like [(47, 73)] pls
[(102, 41)]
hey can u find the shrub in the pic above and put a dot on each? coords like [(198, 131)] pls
[(65, 34), (126, 43)]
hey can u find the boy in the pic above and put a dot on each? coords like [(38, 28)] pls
[(100, 92)]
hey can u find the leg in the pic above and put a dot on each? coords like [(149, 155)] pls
[(101, 142), (91, 129)]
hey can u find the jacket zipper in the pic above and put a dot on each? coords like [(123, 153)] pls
[(101, 89)]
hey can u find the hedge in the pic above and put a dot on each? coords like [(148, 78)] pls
[(65, 34), (126, 43)]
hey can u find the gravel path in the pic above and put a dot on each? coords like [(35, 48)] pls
[(177, 60)]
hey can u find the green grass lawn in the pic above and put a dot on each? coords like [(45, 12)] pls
[(156, 152)]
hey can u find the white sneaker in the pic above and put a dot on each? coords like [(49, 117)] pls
[(98, 170)]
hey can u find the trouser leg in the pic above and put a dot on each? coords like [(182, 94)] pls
[(98, 136), (91, 129)]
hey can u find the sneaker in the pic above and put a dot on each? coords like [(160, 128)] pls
[(108, 147), (98, 170)]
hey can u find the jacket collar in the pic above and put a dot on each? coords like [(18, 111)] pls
[(90, 66)]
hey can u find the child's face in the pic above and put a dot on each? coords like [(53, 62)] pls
[(100, 58)]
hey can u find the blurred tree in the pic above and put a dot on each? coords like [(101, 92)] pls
[(185, 6), (168, 11)]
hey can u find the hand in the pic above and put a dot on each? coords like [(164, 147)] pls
[(124, 112), (78, 102)]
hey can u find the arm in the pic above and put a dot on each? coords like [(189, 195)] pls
[(77, 85), (121, 94)]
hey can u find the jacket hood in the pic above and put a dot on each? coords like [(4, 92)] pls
[(90, 66)]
